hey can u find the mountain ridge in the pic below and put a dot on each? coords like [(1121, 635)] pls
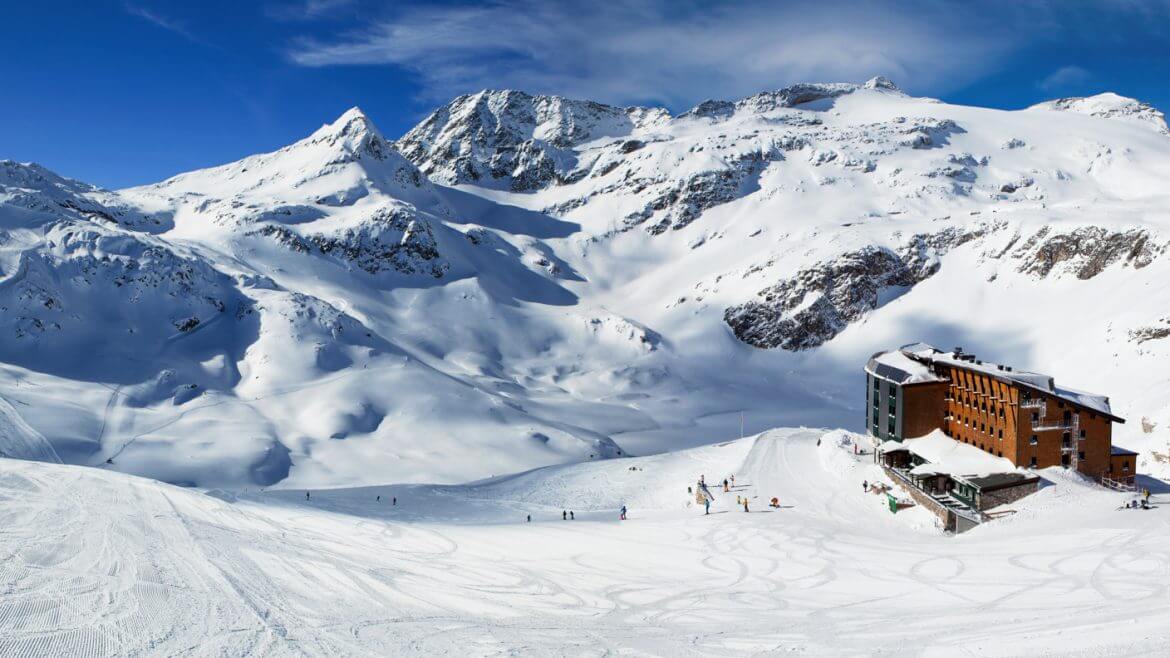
[(523, 280)]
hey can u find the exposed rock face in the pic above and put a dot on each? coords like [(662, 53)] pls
[(1085, 251), (818, 302), (1157, 331), (513, 139), (392, 239)]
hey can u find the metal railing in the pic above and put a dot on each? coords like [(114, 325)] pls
[(1032, 404), (969, 514), (1048, 425)]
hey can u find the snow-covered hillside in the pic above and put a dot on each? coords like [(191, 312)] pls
[(100, 563), (528, 280)]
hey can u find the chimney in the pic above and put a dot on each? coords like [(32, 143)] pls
[(1007, 368), (958, 350), (1000, 367)]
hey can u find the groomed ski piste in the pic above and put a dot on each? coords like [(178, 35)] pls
[(99, 563)]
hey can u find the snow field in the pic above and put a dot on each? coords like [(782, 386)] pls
[(100, 563)]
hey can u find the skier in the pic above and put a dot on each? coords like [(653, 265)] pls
[(707, 505), (1146, 493), (745, 502), (394, 500), (306, 495), (733, 480), (564, 515), (571, 517), (775, 502), (379, 498), (529, 518), (623, 517), (689, 491), (738, 500), (865, 486)]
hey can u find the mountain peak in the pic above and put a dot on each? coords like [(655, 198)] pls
[(881, 82), (1109, 105), (353, 124)]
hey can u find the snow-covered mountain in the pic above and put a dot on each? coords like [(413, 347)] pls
[(523, 280)]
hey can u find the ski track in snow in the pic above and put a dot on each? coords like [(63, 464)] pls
[(97, 563)]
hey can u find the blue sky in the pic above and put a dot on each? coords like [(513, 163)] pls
[(127, 92)]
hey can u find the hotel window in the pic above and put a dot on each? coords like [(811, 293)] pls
[(1001, 435), (1032, 463), (983, 428), (1035, 417), (1080, 454), (1034, 440), (1125, 466), (1082, 435)]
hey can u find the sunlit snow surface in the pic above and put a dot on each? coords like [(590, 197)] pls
[(100, 563), (327, 315)]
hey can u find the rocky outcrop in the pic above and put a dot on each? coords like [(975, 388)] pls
[(818, 302), (1157, 331), (392, 239), (1085, 252), (513, 139), (1110, 106)]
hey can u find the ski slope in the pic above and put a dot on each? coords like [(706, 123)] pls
[(94, 562)]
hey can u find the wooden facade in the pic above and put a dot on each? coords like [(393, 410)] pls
[(1022, 417), (1028, 426)]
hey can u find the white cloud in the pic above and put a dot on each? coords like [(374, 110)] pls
[(1065, 77), (674, 53), (166, 23)]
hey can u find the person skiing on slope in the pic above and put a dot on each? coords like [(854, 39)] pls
[(571, 516), (707, 505), (623, 517), (306, 495), (394, 500), (564, 515), (745, 502), (529, 518), (865, 486), (379, 498), (733, 480)]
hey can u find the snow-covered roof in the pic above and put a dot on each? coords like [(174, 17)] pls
[(927, 354), (891, 446), (899, 368), (948, 456)]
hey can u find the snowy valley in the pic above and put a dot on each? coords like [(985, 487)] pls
[(526, 280)]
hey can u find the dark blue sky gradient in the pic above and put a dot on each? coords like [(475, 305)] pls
[(120, 94)]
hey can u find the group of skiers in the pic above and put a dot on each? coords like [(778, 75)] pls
[(569, 515), (1143, 502), (704, 497)]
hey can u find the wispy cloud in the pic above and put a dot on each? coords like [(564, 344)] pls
[(166, 23), (1064, 78), (308, 10), (669, 52)]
